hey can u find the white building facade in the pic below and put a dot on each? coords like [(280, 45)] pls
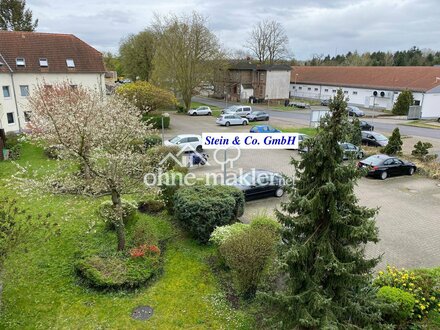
[(30, 59), (370, 87)]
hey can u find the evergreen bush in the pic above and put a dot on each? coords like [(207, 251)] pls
[(394, 146)]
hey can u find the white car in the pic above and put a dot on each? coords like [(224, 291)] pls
[(200, 111), (189, 142), (241, 110), (230, 119)]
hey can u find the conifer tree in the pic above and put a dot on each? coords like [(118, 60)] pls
[(403, 102), (328, 283), (15, 17), (394, 146)]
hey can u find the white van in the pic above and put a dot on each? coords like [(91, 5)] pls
[(240, 110)]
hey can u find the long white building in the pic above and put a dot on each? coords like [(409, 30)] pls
[(28, 59), (370, 86)]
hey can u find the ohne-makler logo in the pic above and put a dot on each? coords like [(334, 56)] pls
[(250, 140)]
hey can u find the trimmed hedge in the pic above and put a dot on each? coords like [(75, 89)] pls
[(399, 305), (156, 120), (200, 209)]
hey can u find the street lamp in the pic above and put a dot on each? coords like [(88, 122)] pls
[(294, 91)]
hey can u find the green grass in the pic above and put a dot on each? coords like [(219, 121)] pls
[(423, 124), (41, 290), (311, 131)]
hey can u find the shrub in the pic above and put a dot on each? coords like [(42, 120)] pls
[(394, 146), (160, 157), (171, 182), (403, 102), (222, 233), (151, 205), (247, 253), (421, 151), (202, 208), (152, 141), (107, 212), (156, 121), (117, 271), (423, 285), (266, 223), (399, 305), (13, 144), (53, 151)]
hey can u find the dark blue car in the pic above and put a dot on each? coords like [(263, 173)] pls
[(264, 129)]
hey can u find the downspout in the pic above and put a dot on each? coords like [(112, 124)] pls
[(13, 90)]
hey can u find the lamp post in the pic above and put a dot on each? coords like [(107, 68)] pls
[(294, 92), (267, 98)]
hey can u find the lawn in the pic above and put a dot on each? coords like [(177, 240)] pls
[(42, 291)]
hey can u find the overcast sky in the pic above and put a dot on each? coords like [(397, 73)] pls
[(313, 26)]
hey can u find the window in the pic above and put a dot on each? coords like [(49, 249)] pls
[(309, 89), (27, 116), (300, 87), (44, 63), (19, 61), (70, 63), (10, 116), (24, 90), (355, 93), (316, 89), (6, 92), (326, 90), (416, 102), (334, 91), (345, 92)]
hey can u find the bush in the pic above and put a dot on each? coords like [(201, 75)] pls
[(421, 151), (222, 233), (152, 141), (354, 132), (53, 151), (107, 212), (394, 146), (160, 157), (156, 121), (151, 206), (247, 253), (13, 144), (399, 305), (202, 208), (266, 223), (118, 271), (171, 182), (403, 102)]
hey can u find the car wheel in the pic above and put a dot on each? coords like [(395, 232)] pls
[(383, 175), (267, 118), (279, 192), (360, 155), (227, 124), (199, 149), (244, 123), (411, 171), (194, 114)]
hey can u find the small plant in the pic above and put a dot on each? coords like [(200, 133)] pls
[(152, 141), (151, 205), (394, 146), (399, 304), (421, 151)]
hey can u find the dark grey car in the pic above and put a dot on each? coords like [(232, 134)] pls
[(258, 115)]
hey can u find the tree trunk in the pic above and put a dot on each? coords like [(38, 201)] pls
[(187, 100), (119, 224)]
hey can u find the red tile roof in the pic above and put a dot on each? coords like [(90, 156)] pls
[(55, 47), (415, 78)]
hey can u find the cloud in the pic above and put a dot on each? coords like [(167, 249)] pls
[(313, 26)]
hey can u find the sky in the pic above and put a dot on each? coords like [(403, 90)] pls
[(312, 26)]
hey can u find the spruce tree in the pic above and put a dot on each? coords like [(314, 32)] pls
[(403, 102), (328, 283), (15, 17), (394, 146)]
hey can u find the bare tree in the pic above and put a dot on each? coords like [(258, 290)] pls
[(268, 41), (187, 53)]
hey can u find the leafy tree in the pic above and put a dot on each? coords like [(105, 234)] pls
[(112, 63), (14, 16), (187, 54), (324, 236), (403, 102), (112, 131), (136, 55), (394, 146), (421, 151), (146, 97)]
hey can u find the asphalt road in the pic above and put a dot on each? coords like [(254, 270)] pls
[(303, 117)]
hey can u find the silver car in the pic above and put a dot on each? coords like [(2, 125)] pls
[(230, 119), (200, 111)]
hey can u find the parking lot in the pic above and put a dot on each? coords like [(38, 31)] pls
[(408, 217)]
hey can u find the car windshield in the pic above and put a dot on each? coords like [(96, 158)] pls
[(231, 108), (175, 139), (373, 160), (246, 179), (380, 137)]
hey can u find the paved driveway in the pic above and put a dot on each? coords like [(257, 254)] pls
[(409, 215)]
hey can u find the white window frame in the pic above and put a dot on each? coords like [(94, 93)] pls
[(21, 90), (70, 63), (44, 63), (9, 92), (20, 61)]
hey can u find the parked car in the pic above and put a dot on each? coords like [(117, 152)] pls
[(325, 102), (188, 142), (260, 183), (258, 115), (355, 111), (351, 151), (200, 111), (264, 129), (240, 110), (231, 119), (383, 166), (374, 139), (366, 126)]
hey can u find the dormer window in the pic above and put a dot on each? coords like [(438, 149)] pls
[(19, 61), (70, 63), (44, 63)]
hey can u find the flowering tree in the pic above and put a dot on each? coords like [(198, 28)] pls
[(105, 135)]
